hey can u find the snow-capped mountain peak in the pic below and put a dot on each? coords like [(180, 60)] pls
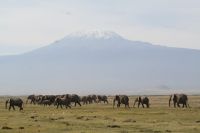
[(94, 35)]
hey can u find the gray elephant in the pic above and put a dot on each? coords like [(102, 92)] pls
[(102, 98), (60, 101), (121, 99), (74, 98), (84, 100), (142, 101), (32, 99), (94, 98), (179, 99), (46, 102), (14, 102), (87, 99), (51, 98)]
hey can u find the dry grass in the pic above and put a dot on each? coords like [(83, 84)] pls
[(100, 118)]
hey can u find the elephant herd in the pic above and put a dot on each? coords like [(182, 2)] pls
[(67, 100)]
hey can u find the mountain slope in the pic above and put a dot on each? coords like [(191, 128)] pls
[(101, 63)]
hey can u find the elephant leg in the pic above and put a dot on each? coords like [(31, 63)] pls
[(138, 104), (79, 103), (118, 105), (9, 107), (185, 104), (20, 107), (13, 107), (174, 104), (178, 104), (69, 106), (142, 105)]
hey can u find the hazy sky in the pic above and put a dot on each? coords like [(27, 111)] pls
[(28, 24)]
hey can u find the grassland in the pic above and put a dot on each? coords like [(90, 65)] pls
[(98, 118)]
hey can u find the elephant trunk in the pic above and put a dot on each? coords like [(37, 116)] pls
[(170, 100)]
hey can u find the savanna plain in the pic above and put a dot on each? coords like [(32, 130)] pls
[(98, 118)]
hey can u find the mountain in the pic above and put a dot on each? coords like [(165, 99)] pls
[(102, 63)]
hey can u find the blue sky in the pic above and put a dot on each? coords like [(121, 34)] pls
[(26, 25)]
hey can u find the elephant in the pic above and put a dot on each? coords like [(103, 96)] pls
[(121, 99), (14, 102), (46, 102), (89, 99), (51, 98), (102, 98), (62, 101), (84, 100), (72, 98), (94, 98), (32, 99), (179, 99), (142, 100)]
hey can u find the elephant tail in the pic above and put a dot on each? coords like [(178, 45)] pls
[(170, 98)]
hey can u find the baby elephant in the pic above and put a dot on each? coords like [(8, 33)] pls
[(142, 100), (14, 102)]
